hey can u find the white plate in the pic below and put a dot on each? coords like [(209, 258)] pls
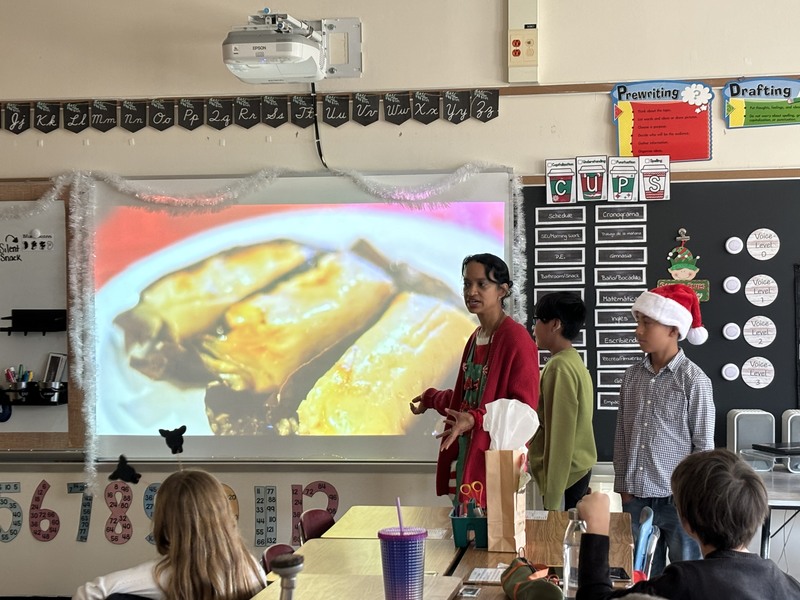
[(130, 403)]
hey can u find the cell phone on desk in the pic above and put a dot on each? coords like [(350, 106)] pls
[(469, 592)]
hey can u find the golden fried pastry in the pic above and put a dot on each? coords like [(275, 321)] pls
[(187, 302), (414, 345), (272, 335)]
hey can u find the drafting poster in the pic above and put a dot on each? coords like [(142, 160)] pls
[(761, 102), (663, 117)]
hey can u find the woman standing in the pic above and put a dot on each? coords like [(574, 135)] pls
[(500, 360), (203, 556)]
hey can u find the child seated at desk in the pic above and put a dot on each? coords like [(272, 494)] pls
[(721, 502), (203, 556)]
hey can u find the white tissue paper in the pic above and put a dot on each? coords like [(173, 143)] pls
[(511, 424)]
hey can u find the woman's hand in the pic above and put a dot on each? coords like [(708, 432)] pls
[(417, 406), (455, 424)]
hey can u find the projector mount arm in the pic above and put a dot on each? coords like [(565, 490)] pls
[(284, 23)]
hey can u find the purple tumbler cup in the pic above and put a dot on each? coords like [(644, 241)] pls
[(403, 559)]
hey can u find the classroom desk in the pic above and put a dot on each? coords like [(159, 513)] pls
[(545, 545), (364, 587), (361, 556), (365, 521), (783, 493)]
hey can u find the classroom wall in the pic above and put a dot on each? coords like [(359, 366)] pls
[(150, 49), (89, 49)]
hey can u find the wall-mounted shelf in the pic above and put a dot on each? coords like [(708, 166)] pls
[(45, 320), (34, 393)]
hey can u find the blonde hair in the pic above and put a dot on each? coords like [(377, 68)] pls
[(196, 532)]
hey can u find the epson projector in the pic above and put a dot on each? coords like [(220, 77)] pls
[(280, 49), (256, 56)]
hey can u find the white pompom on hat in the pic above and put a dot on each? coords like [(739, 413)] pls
[(676, 305)]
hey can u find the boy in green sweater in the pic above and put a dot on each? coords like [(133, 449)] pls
[(562, 452)]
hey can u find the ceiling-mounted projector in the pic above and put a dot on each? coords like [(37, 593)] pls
[(277, 48)]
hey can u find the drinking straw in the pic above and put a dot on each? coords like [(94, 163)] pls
[(399, 515)]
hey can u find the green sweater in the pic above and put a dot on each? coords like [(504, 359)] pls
[(563, 449)]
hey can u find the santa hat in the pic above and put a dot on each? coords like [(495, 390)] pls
[(676, 305)]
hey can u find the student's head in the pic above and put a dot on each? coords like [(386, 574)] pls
[(487, 282), (719, 498), (667, 314), (558, 315), (196, 531)]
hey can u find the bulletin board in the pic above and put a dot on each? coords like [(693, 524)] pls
[(711, 212)]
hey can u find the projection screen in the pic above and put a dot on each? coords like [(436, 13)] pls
[(296, 325)]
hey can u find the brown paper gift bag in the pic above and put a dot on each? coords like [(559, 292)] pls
[(505, 502)]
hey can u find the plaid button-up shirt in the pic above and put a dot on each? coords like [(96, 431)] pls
[(663, 417)]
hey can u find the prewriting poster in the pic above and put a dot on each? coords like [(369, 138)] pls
[(663, 118)]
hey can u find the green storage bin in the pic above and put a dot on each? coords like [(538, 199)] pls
[(463, 525)]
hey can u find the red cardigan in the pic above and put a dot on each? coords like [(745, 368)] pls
[(513, 362)]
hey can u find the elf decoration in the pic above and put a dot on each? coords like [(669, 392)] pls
[(683, 268)]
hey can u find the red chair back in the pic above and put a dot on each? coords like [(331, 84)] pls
[(271, 552), (314, 522)]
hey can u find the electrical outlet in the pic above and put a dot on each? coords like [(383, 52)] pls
[(523, 48), (523, 41)]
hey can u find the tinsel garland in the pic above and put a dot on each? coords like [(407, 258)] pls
[(420, 197), (80, 325), (81, 249), (10, 211), (519, 261), (416, 196), (216, 199)]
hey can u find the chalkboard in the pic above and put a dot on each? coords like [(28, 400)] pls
[(711, 212)]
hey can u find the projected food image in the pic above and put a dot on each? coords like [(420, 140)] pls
[(267, 321), (258, 324)]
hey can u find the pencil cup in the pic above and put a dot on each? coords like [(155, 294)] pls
[(50, 390), (17, 391), (403, 559)]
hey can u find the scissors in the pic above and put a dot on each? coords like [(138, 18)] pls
[(473, 491)]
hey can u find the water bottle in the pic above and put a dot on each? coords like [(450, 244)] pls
[(572, 549)]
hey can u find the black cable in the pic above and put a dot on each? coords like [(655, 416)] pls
[(316, 125), (785, 523)]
